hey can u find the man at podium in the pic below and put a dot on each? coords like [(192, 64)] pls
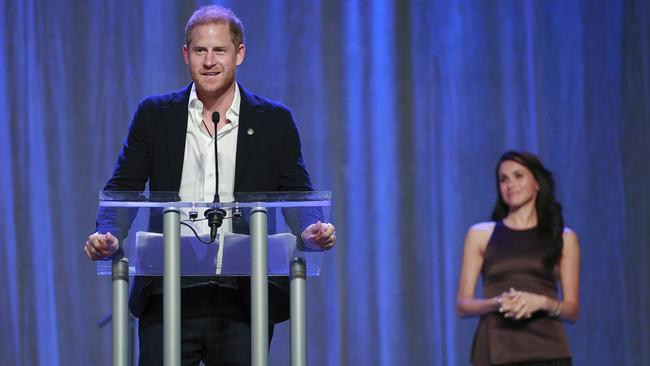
[(170, 146)]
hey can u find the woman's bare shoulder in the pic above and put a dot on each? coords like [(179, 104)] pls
[(570, 236), (479, 235), (481, 231), (483, 227)]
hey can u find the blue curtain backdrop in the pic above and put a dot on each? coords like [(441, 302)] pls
[(404, 108)]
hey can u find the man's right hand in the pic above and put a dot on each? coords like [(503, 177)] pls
[(101, 246)]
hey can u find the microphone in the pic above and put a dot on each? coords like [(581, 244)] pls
[(215, 215), (215, 120)]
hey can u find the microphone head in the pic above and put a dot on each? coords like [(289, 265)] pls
[(215, 117)]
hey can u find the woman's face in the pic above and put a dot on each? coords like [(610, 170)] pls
[(517, 185)]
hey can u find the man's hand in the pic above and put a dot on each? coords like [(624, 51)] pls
[(320, 235), (101, 246)]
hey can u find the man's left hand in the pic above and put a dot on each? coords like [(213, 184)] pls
[(320, 235)]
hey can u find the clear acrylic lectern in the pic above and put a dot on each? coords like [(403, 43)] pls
[(163, 234)]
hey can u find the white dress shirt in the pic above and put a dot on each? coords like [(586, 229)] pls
[(198, 178)]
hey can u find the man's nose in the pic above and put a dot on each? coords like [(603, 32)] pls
[(210, 59)]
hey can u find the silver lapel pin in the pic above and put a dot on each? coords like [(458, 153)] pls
[(250, 132)]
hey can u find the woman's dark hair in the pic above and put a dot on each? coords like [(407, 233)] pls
[(550, 223)]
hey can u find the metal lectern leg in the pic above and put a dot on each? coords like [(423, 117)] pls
[(259, 288), (172, 288), (120, 279), (298, 312)]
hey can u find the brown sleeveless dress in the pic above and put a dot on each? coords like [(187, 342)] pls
[(513, 258)]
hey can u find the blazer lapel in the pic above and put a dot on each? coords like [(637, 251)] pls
[(175, 125), (250, 115)]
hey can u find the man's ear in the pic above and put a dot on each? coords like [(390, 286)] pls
[(241, 52), (186, 54)]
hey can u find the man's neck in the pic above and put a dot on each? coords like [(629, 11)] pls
[(217, 103)]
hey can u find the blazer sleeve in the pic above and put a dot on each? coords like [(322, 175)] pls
[(293, 176), (131, 172)]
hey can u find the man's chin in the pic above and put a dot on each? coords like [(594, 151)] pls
[(210, 89)]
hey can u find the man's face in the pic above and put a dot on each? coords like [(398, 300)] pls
[(213, 59)]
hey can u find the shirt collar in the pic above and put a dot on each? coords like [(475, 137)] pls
[(195, 107), (233, 112)]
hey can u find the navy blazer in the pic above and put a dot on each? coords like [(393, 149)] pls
[(268, 159)]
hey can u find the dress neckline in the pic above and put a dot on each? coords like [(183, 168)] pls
[(516, 230)]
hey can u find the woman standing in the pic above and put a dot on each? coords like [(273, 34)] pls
[(521, 256)]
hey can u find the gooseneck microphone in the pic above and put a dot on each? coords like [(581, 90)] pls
[(215, 120), (215, 215)]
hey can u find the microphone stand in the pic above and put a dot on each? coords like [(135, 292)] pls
[(215, 215)]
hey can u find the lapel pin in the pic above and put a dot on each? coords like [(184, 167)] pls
[(250, 132)]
